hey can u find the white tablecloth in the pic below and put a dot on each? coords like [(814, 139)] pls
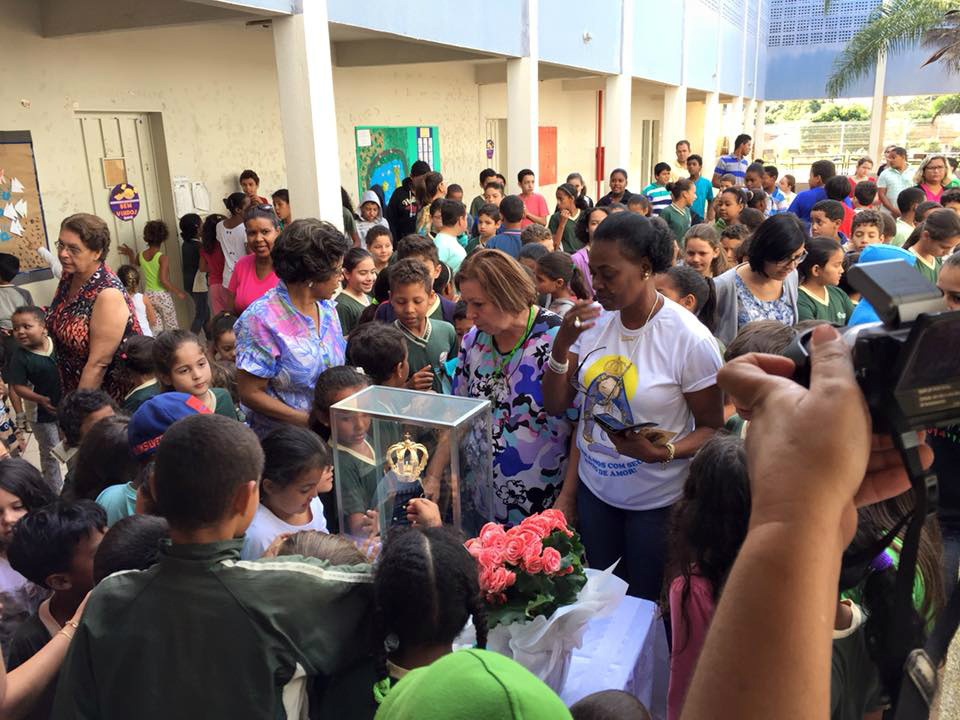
[(625, 651)]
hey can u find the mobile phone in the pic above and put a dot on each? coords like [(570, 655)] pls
[(612, 425)]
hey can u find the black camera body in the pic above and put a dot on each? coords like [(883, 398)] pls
[(908, 365)]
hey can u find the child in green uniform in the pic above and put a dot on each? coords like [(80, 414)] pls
[(379, 350), (820, 273), (932, 240), (683, 194), (488, 220), (563, 223), (429, 342), (183, 366), (359, 275), (137, 357), (32, 371)]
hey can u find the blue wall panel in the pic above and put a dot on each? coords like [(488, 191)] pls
[(562, 24), (731, 58), (801, 72), (703, 44), (496, 26), (751, 64), (906, 77), (658, 28)]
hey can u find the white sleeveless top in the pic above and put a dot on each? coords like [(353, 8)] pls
[(141, 310)]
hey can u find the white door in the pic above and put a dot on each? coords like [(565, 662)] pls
[(125, 141)]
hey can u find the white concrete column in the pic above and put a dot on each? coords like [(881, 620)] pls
[(878, 110), (523, 105), (674, 123), (734, 120), (618, 102), (759, 129), (750, 121), (878, 128), (712, 130), (307, 112), (617, 123)]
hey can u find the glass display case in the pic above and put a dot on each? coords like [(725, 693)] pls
[(392, 445)]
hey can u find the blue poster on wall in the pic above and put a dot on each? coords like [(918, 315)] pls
[(385, 154)]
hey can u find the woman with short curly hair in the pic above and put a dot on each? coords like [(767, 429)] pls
[(286, 338)]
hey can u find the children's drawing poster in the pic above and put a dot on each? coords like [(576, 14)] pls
[(385, 154), (22, 228)]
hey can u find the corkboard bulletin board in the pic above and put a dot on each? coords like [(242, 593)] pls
[(18, 168)]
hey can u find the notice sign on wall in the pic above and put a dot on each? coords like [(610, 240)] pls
[(22, 228), (124, 201)]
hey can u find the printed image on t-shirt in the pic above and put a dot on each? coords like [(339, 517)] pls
[(611, 381)]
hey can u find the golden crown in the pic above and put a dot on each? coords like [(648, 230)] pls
[(407, 459), (617, 367)]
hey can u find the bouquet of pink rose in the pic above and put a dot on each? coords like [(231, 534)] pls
[(529, 570)]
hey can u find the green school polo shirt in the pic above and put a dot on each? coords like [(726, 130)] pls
[(438, 344), (836, 310), (930, 272), (349, 310), (39, 369), (358, 480), (569, 241), (677, 220)]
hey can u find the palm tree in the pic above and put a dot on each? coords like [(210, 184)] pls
[(899, 25)]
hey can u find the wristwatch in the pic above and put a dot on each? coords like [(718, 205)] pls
[(671, 451)]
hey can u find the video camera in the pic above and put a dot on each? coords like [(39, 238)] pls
[(908, 367)]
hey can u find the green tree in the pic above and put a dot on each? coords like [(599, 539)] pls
[(899, 25), (841, 113), (946, 105)]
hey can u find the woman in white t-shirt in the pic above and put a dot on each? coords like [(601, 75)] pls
[(232, 233), (644, 360), (296, 467)]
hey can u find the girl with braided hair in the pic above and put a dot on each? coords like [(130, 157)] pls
[(425, 589)]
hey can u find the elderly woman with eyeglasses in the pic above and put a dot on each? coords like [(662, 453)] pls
[(91, 313), (764, 287)]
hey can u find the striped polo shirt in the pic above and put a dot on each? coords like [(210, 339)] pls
[(658, 196), (731, 165)]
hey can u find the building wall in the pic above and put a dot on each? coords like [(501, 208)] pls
[(573, 113), (441, 94), (213, 85), (803, 43)]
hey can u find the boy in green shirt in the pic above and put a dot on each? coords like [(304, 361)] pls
[(34, 376), (429, 342), (251, 629)]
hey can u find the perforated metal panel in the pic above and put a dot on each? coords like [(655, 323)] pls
[(802, 22)]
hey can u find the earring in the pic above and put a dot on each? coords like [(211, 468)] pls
[(310, 284)]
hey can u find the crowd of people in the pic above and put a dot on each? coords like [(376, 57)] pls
[(200, 498)]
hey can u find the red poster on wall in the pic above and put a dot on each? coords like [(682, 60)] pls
[(548, 156)]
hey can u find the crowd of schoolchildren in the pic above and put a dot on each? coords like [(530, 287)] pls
[(213, 543)]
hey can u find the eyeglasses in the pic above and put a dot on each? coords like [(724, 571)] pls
[(795, 260), (74, 250)]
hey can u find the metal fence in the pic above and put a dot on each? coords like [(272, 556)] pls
[(792, 146)]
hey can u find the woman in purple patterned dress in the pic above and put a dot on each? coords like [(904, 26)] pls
[(286, 338)]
